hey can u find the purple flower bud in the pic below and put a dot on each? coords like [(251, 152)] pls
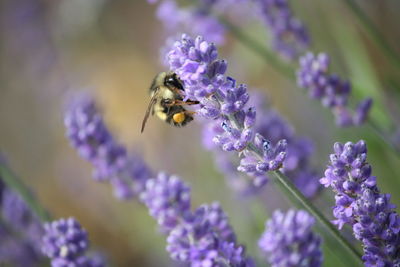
[(167, 199), (88, 134), (288, 240), (250, 118), (314, 76), (360, 204), (289, 36), (23, 232), (65, 243)]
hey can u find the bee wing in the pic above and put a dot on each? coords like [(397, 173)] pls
[(153, 100)]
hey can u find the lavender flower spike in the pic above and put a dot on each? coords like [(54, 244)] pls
[(168, 200), (289, 36), (360, 204), (334, 93), (207, 239), (197, 64), (65, 243), (289, 240), (200, 238), (196, 20), (20, 231), (90, 136), (297, 162)]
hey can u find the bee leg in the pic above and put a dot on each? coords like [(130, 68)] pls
[(177, 91), (182, 103), (192, 102), (190, 113)]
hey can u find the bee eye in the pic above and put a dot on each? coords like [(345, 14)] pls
[(166, 101), (179, 117), (173, 81)]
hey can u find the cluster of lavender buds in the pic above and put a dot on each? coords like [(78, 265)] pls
[(88, 133), (197, 64), (289, 241), (65, 242), (20, 231), (299, 151), (196, 20), (360, 204), (288, 35), (168, 199), (202, 237), (334, 93)]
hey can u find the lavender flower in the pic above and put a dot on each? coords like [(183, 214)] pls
[(168, 200), (17, 252), (289, 240), (334, 93), (197, 64), (360, 204), (20, 231), (196, 20), (200, 238), (299, 149), (89, 135), (65, 243), (201, 241), (16, 213), (289, 36), (296, 164)]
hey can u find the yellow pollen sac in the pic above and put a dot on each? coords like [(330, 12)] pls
[(179, 117)]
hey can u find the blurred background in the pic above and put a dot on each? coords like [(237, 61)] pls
[(111, 48)]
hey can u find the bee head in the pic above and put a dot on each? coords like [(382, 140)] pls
[(172, 80)]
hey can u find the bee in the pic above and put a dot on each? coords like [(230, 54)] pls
[(167, 93)]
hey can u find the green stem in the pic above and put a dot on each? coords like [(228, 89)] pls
[(374, 32), (384, 137), (12, 181), (286, 184)]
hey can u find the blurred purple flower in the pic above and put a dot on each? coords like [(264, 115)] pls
[(15, 211), (20, 231), (197, 64), (168, 200), (288, 240), (195, 20), (88, 133), (65, 242), (289, 36), (334, 93), (17, 252), (200, 238), (360, 204)]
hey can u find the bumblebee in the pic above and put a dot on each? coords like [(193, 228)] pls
[(167, 93)]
